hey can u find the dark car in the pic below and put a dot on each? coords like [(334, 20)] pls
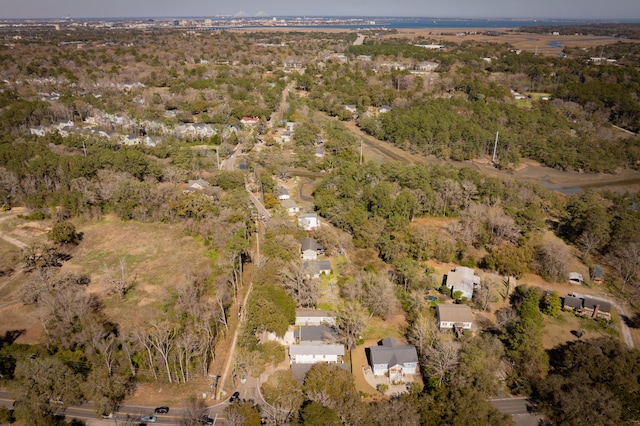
[(206, 420), (235, 396), (161, 410)]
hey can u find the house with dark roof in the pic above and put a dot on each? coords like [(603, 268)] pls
[(393, 359), (572, 303), (315, 268), (311, 249), (587, 306), (596, 308), (315, 334)]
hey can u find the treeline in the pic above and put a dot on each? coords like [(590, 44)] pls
[(465, 106), (609, 29), (462, 130), (377, 203)]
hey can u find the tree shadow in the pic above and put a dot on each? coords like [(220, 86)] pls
[(578, 333), (10, 336)]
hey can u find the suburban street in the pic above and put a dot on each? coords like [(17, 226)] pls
[(519, 409), (262, 210), (87, 414)]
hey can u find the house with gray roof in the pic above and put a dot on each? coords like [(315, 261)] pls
[(587, 306), (456, 316), (290, 206), (315, 334), (393, 359), (311, 249), (462, 279)]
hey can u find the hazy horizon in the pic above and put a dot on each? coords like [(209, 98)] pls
[(597, 10)]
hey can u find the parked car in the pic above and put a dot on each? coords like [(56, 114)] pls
[(149, 418), (206, 420), (235, 396), (161, 410)]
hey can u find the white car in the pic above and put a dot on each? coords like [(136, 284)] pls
[(148, 418)]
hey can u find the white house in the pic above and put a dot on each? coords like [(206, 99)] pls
[(282, 194), (426, 66), (290, 206), (309, 249), (450, 316), (314, 317), (393, 359), (462, 279), (38, 130), (309, 221), (197, 185), (311, 354)]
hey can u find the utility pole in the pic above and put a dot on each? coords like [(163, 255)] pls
[(361, 152), (495, 147)]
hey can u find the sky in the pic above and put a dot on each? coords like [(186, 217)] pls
[(539, 9)]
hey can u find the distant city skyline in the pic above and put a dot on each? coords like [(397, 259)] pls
[(529, 9)]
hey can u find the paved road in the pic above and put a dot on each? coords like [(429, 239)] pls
[(127, 412), (511, 405), (262, 210), (359, 40), (518, 409), (228, 164)]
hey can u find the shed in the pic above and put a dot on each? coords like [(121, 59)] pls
[(597, 274)]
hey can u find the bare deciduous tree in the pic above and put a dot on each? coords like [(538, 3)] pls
[(162, 336), (350, 321), (625, 260), (551, 259), (115, 278), (441, 358), (299, 284), (424, 332)]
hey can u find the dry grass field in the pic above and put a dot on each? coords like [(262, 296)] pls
[(158, 257), (519, 40)]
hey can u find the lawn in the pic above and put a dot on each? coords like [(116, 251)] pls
[(560, 330)]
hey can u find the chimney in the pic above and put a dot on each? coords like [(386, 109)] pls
[(596, 309)]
